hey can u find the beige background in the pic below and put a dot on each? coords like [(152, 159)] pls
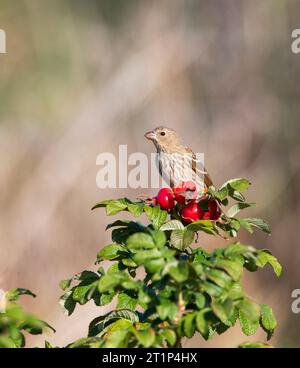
[(80, 78)]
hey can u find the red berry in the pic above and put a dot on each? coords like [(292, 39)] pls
[(182, 188), (191, 212), (165, 199), (214, 210), (204, 215)]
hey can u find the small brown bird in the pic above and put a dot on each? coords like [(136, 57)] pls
[(176, 162)]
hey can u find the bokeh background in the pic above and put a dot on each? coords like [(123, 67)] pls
[(81, 77)]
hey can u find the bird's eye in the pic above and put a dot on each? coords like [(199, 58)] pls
[(163, 133)]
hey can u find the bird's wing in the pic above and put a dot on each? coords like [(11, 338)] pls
[(199, 168)]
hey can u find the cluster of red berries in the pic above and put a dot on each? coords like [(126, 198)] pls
[(190, 206)]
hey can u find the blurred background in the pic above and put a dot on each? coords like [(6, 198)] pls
[(81, 77)]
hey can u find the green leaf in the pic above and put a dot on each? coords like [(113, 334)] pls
[(156, 215), (116, 206), (246, 226), (202, 225), (169, 335), (140, 241), (125, 301), (145, 337), (180, 239), (189, 325), (268, 320), (264, 257), (221, 194), (101, 204), (249, 315), (223, 310), (117, 334), (136, 209), (219, 277), (179, 273), (48, 345), (255, 345), (68, 303), (233, 268), (167, 310), (259, 223), (110, 252), (172, 225), (159, 237), (98, 324), (146, 255), (199, 300), (236, 195), (235, 209), (201, 323), (237, 249), (212, 289), (65, 284), (14, 294), (238, 184), (154, 265), (83, 293), (110, 281)]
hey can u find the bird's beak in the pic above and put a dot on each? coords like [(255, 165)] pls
[(151, 135)]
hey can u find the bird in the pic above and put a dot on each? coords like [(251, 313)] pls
[(178, 163)]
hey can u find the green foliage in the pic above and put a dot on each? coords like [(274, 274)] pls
[(15, 322), (181, 289), (165, 286)]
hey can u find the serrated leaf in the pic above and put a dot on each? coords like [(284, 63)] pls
[(259, 223), (202, 225), (221, 194), (233, 268), (238, 184), (67, 302), (82, 293), (200, 300), (249, 315), (65, 284), (236, 208), (145, 255), (156, 215), (101, 204), (110, 281), (172, 225), (264, 257), (14, 294), (110, 252), (237, 249), (167, 310), (136, 209), (159, 237), (125, 301), (145, 337), (255, 345), (115, 206), (170, 336), (189, 325), (154, 265), (212, 289), (223, 310), (202, 323), (180, 239), (140, 241), (219, 277), (268, 319), (246, 226), (180, 272)]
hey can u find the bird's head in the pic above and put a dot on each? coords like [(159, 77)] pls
[(164, 139)]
